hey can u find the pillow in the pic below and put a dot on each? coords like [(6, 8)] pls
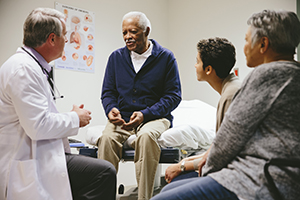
[(93, 133), (193, 126), (195, 112)]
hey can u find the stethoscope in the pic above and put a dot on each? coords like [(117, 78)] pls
[(50, 81)]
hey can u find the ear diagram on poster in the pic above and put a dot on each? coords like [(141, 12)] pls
[(79, 51)]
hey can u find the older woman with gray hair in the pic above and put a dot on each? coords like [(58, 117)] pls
[(256, 150)]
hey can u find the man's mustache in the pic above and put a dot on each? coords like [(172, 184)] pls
[(130, 40)]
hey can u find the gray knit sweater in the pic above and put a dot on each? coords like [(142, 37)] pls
[(262, 122)]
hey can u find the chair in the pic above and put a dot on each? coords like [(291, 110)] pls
[(280, 162)]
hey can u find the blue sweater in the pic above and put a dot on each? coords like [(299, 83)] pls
[(155, 90)]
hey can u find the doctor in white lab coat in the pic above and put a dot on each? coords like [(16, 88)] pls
[(33, 135)]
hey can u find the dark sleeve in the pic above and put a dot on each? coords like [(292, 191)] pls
[(172, 93), (109, 94)]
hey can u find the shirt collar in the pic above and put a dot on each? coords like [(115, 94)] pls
[(146, 54), (231, 77), (39, 57)]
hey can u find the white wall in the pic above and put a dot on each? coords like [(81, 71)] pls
[(176, 24), (192, 20)]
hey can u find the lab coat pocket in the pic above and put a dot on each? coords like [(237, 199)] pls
[(24, 181)]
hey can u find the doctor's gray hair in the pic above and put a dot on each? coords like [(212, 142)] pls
[(143, 20), (40, 23), (282, 28)]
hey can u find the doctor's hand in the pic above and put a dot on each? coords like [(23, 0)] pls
[(135, 120), (83, 114), (115, 117)]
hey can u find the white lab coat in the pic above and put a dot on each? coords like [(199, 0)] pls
[(32, 158)]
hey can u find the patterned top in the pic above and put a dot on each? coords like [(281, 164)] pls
[(261, 123)]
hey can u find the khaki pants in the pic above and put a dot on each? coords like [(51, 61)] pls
[(147, 151)]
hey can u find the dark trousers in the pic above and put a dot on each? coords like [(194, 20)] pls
[(198, 188), (91, 178), (186, 175)]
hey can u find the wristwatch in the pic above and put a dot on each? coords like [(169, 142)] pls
[(182, 168)]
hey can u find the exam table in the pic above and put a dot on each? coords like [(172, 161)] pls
[(193, 132)]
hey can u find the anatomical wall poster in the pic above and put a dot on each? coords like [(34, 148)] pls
[(79, 51)]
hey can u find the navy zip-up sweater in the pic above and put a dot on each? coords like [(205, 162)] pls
[(155, 90)]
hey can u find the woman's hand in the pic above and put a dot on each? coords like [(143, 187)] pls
[(172, 171)]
